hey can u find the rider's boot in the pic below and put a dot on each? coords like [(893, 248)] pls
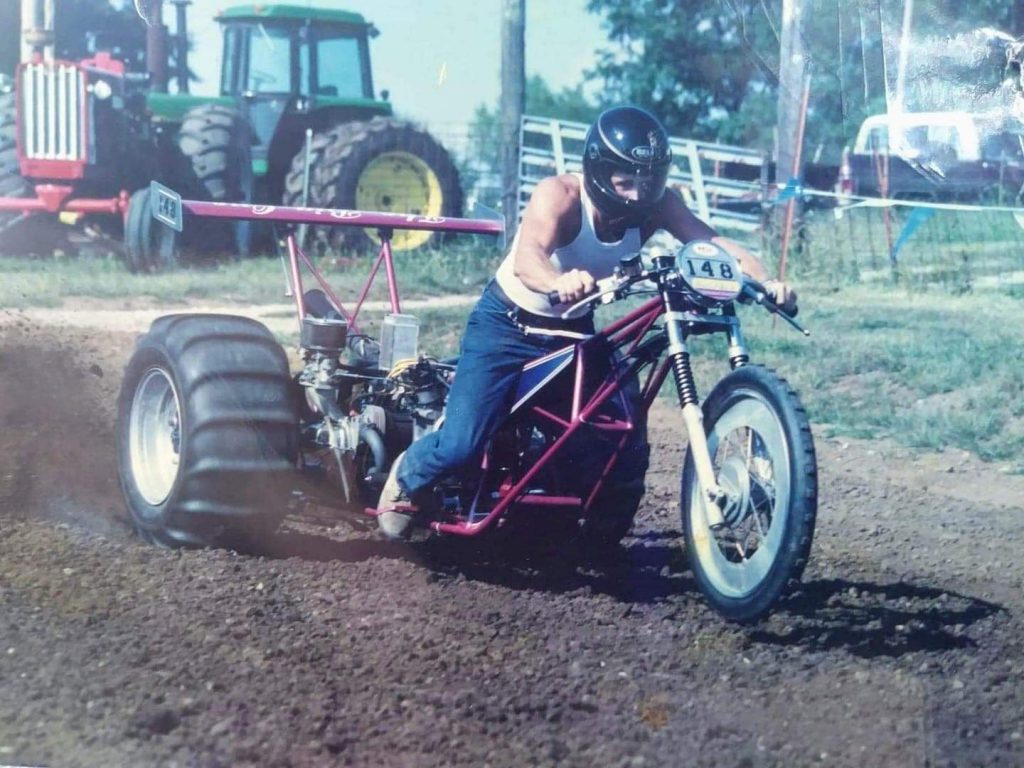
[(395, 509)]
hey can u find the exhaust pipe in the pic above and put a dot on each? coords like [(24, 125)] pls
[(156, 46), (181, 43)]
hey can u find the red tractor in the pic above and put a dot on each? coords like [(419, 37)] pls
[(296, 121)]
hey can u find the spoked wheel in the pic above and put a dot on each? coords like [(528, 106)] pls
[(763, 455)]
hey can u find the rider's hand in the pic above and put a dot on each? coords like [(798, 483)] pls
[(783, 295), (573, 285)]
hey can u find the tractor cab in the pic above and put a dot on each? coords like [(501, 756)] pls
[(290, 68)]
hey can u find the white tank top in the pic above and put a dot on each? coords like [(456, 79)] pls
[(586, 251)]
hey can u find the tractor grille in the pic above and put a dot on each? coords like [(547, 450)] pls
[(52, 96)]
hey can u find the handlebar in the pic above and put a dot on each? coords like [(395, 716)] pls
[(752, 291), (756, 292)]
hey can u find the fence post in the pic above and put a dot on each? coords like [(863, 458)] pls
[(513, 102)]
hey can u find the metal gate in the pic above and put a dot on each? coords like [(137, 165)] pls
[(724, 185)]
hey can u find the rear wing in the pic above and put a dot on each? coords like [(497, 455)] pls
[(168, 207)]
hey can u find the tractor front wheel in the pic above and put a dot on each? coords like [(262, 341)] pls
[(149, 246)]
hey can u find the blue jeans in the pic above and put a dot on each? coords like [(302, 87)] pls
[(493, 353)]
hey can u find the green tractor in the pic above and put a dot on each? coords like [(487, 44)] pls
[(287, 70), (296, 122)]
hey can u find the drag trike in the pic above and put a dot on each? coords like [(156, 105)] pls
[(215, 429)]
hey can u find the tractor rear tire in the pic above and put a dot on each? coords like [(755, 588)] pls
[(207, 432), (149, 246), (216, 147), (383, 164), (11, 182)]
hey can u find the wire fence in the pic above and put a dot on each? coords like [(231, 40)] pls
[(974, 247), (962, 249)]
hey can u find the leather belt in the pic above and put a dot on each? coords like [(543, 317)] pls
[(583, 324)]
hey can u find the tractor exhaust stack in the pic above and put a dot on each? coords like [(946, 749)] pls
[(181, 43)]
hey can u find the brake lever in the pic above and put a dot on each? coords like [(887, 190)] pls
[(757, 293)]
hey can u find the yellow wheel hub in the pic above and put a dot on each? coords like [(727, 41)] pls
[(400, 182)]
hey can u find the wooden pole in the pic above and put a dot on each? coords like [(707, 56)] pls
[(791, 204), (792, 73), (792, 78), (513, 102)]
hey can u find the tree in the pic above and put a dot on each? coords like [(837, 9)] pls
[(710, 69), (692, 63), (479, 171)]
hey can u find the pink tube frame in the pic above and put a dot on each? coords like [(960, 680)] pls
[(629, 330), (385, 223)]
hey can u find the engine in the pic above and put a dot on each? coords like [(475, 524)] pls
[(359, 414)]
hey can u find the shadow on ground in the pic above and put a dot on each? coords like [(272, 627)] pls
[(871, 620)]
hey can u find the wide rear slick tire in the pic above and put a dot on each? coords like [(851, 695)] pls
[(781, 488), (207, 432)]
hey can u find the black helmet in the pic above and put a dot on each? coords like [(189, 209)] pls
[(631, 141)]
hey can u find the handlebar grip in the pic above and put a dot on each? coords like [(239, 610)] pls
[(554, 297)]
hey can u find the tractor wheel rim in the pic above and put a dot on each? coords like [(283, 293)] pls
[(155, 436), (400, 182)]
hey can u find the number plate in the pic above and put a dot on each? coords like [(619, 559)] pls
[(165, 205), (711, 271)]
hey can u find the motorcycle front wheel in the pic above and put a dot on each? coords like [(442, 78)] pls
[(762, 450)]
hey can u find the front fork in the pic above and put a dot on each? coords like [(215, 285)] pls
[(715, 498)]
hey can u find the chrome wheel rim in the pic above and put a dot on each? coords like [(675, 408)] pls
[(154, 436), (751, 459)]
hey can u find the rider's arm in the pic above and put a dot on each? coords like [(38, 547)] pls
[(684, 225), (552, 204)]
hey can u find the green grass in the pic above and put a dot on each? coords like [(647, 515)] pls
[(953, 250), (49, 281)]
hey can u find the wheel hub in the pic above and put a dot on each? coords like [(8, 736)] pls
[(734, 480), (400, 182), (155, 436)]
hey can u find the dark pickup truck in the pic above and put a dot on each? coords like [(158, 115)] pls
[(934, 156)]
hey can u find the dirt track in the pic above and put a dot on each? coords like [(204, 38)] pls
[(906, 646)]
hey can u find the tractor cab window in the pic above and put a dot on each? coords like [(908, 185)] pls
[(336, 62), (339, 67), (269, 59)]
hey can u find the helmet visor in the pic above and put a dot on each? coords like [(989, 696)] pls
[(642, 187)]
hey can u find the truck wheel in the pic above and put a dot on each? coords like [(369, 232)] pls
[(207, 432), (149, 246), (381, 165), (216, 147), (11, 182)]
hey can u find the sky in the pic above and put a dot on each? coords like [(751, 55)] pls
[(439, 59)]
